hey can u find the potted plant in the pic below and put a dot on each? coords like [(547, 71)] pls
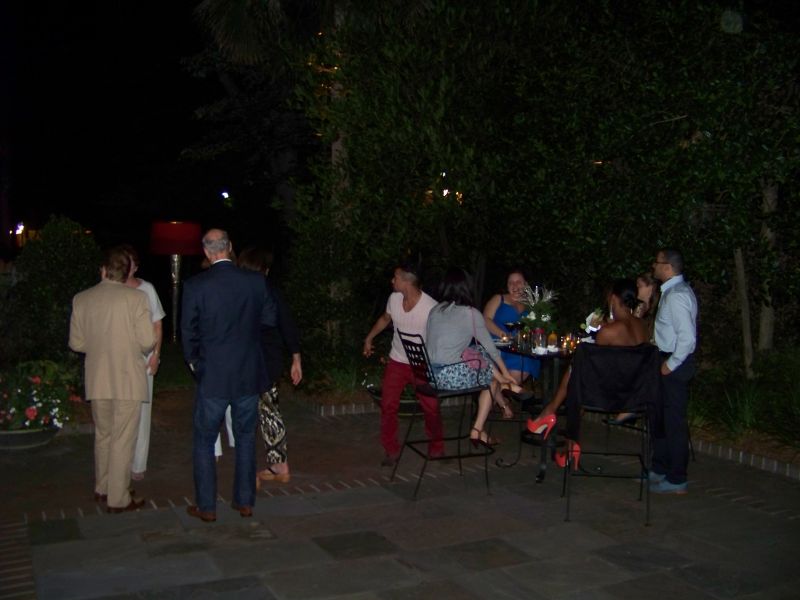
[(37, 398)]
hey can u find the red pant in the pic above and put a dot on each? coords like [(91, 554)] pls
[(396, 376)]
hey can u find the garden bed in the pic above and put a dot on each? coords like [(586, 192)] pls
[(751, 442)]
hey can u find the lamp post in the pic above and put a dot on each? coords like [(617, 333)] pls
[(175, 238)]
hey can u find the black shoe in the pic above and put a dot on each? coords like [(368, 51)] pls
[(518, 396)]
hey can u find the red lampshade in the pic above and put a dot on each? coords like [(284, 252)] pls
[(175, 237)]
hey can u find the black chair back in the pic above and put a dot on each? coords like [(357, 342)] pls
[(426, 385), (418, 359), (612, 379)]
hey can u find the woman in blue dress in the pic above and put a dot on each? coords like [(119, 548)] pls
[(508, 308)]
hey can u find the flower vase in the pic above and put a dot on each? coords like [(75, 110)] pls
[(25, 439), (539, 338)]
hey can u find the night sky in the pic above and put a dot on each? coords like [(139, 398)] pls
[(96, 109)]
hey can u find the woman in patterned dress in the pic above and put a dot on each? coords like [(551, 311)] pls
[(452, 325), (273, 339)]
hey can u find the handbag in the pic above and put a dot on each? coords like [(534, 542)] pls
[(472, 355), (474, 358)]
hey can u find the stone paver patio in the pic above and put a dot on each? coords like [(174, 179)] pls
[(340, 529)]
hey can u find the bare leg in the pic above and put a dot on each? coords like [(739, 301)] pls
[(624, 416), (514, 387), (484, 406), (558, 399), (498, 398), (519, 376)]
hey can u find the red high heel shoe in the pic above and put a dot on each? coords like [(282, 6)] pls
[(575, 450), (542, 424)]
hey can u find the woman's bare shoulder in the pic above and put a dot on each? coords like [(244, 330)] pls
[(640, 327), (609, 334), (622, 333), (493, 303)]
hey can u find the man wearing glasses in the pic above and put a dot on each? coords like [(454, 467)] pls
[(676, 338)]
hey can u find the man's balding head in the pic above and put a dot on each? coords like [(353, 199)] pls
[(216, 244)]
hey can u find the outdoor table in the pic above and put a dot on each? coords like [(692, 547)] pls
[(552, 367), (552, 363)]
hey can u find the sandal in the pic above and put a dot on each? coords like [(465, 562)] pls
[(483, 439), (269, 475), (520, 396)]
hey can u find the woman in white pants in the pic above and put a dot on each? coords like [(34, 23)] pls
[(139, 465)]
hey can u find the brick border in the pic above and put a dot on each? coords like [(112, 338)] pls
[(732, 454)]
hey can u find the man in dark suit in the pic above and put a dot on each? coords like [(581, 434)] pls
[(223, 311)]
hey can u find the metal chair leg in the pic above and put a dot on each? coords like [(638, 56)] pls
[(419, 479), (405, 441), (486, 472), (461, 433), (567, 476)]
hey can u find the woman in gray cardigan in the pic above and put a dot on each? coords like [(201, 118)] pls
[(452, 325)]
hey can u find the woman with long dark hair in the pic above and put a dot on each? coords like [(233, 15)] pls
[(452, 325)]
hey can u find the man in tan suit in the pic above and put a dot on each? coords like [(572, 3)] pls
[(111, 324)]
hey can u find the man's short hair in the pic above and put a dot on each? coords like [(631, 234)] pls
[(117, 264), (217, 245), (410, 272), (674, 258)]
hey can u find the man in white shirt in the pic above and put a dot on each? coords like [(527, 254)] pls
[(408, 309), (676, 338)]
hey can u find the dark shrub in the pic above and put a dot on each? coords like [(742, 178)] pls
[(51, 269)]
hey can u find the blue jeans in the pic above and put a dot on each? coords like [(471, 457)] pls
[(208, 416)]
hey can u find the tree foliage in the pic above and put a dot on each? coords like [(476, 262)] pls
[(577, 138)]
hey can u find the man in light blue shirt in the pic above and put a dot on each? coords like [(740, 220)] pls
[(676, 338)]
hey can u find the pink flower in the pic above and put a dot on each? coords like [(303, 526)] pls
[(31, 413), (35, 379), (75, 398)]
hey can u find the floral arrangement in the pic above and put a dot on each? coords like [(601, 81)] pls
[(539, 305), (38, 394)]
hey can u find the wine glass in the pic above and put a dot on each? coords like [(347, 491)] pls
[(512, 327)]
